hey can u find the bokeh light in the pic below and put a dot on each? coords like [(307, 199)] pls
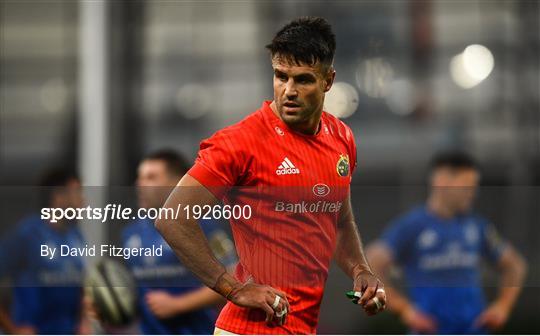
[(472, 66), (193, 100), (341, 100), (401, 98), (373, 77)]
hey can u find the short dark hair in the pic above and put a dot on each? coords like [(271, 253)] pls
[(306, 40), (176, 164), (454, 159), (52, 179)]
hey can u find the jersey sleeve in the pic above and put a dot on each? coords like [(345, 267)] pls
[(492, 243), (352, 150), (399, 237), (219, 164), (219, 241)]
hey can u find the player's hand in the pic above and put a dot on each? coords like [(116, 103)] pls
[(88, 312), (272, 301), (418, 322), (494, 317), (373, 298), (88, 308), (162, 304)]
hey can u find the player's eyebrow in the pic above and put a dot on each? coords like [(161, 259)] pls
[(305, 77), (302, 76)]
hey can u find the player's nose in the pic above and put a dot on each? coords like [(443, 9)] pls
[(290, 90)]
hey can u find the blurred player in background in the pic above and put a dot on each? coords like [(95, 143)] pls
[(440, 246), (47, 293), (171, 300), (286, 246)]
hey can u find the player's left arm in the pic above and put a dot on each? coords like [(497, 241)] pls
[(513, 268), (350, 257)]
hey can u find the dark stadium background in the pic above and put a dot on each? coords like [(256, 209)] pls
[(97, 85)]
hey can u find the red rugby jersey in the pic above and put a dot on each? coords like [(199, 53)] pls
[(295, 185)]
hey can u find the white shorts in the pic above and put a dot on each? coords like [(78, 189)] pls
[(218, 331)]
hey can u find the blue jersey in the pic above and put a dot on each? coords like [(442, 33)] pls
[(47, 292), (166, 273), (441, 261)]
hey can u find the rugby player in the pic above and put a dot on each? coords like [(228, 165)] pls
[(293, 163), (440, 246), (47, 292), (171, 300)]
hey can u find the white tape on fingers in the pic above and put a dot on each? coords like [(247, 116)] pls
[(381, 290), (281, 313), (377, 303), (276, 301), (358, 294)]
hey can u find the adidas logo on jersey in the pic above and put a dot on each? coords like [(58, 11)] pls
[(287, 168)]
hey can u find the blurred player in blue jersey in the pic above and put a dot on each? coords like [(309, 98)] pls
[(440, 246), (47, 293), (172, 300)]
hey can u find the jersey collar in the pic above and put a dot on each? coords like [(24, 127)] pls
[(276, 121)]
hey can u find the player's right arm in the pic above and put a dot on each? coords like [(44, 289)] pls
[(381, 259), (186, 238)]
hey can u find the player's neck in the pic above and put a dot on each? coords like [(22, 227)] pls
[(310, 127), (438, 207)]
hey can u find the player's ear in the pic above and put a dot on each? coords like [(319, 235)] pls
[(329, 80)]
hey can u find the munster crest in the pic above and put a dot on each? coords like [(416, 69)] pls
[(343, 166)]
